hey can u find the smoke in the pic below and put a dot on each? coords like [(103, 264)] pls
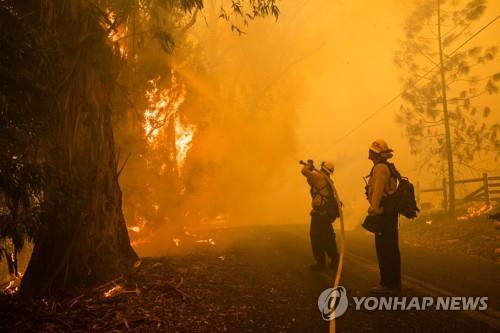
[(247, 96), (283, 91)]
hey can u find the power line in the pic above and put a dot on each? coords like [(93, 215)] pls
[(475, 34), (373, 114)]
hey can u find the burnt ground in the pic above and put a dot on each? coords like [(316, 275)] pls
[(475, 236), (255, 279)]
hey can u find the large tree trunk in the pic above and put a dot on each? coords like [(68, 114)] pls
[(83, 240)]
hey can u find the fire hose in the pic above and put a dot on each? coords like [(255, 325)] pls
[(342, 247), (342, 250)]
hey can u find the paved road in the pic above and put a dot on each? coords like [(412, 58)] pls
[(283, 293)]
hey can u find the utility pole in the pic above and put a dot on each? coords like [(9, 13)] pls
[(448, 148)]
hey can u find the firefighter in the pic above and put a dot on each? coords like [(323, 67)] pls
[(381, 184), (323, 213)]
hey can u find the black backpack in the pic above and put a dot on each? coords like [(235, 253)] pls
[(403, 199)]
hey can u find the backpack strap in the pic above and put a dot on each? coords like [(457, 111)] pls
[(328, 186), (394, 173)]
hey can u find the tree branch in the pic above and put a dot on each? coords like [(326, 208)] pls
[(191, 22)]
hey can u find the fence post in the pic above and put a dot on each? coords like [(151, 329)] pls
[(445, 196), (486, 188)]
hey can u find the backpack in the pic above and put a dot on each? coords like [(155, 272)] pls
[(403, 199), (330, 207)]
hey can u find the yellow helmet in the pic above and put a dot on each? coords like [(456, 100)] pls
[(380, 146), (328, 166)]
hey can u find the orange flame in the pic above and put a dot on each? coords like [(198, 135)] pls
[(183, 140), (163, 107), (475, 212), (134, 228), (117, 33), (113, 291), (208, 241)]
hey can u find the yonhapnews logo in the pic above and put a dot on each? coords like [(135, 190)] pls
[(333, 303)]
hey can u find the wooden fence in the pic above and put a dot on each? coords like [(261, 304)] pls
[(488, 191)]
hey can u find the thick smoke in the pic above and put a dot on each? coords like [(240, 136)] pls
[(296, 89)]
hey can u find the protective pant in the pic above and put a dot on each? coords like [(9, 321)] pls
[(322, 239), (387, 246)]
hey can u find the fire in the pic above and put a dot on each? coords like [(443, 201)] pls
[(183, 140), (13, 286), (117, 33), (141, 233), (163, 108), (209, 241), (176, 241), (118, 289), (163, 105), (113, 291), (475, 212), (134, 228)]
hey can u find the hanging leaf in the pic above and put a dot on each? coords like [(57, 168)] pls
[(491, 88), (473, 52), (486, 112), (166, 40)]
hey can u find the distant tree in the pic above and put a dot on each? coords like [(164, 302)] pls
[(443, 118)]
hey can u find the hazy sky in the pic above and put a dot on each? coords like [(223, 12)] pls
[(359, 75), (353, 75)]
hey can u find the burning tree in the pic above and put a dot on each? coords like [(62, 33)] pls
[(169, 139), (161, 128), (445, 117)]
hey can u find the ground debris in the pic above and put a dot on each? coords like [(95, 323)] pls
[(475, 237), (148, 301), (195, 292)]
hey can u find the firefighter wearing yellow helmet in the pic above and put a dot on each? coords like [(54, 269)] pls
[(382, 183), (323, 213)]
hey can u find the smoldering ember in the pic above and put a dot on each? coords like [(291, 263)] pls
[(249, 166)]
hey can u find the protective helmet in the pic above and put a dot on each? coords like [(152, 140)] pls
[(380, 146), (328, 166)]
